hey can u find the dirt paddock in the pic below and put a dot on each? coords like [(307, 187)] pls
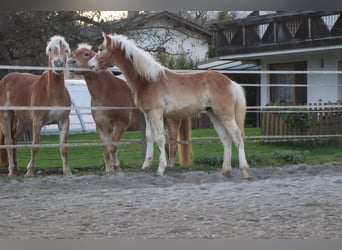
[(299, 201)]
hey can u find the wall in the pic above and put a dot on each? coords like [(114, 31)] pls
[(177, 40), (321, 87), (324, 87)]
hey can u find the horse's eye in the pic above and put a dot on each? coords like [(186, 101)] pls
[(100, 49), (86, 54)]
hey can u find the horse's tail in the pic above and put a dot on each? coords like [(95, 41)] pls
[(185, 149), (3, 152), (240, 107)]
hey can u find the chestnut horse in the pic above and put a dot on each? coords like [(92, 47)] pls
[(27, 90), (160, 92), (107, 90)]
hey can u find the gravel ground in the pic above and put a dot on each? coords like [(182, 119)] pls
[(296, 202)]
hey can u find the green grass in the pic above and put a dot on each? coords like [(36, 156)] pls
[(206, 155)]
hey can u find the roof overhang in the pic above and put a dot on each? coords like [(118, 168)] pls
[(251, 61), (223, 64)]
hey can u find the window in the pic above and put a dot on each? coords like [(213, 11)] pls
[(290, 94)]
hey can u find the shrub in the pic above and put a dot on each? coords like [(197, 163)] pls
[(289, 156), (298, 119)]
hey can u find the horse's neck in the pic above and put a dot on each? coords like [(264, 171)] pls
[(55, 80), (93, 80), (131, 75), (54, 84)]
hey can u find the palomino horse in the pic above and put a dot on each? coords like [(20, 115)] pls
[(107, 90), (160, 92), (26, 90)]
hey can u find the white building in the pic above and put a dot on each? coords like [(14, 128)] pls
[(167, 32)]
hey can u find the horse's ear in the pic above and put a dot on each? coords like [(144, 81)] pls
[(107, 39)]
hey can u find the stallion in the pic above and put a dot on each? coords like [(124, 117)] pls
[(27, 90), (160, 92), (107, 90)]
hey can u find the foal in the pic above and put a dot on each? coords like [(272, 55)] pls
[(29, 90), (107, 90), (160, 92)]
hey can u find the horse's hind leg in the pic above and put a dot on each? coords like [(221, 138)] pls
[(226, 142), (119, 130), (12, 166), (236, 135), (3, 152), (6, 122), (105, 138), (172, 127)]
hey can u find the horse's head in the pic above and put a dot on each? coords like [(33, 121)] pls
[(79, 58), (58, 52), (103, 58)]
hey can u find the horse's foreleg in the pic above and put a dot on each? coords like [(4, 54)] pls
[(226, 142), (63, 138), (149, 135), (157, 125), (34, 149)]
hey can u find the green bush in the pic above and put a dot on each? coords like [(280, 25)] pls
[(257, 159), (289, 156), (298, 119)]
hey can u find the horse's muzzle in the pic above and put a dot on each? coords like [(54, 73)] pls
[(93, 64), (71, 63), (58, 63)]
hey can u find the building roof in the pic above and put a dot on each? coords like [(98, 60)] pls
[(137, 21), (282, 33)]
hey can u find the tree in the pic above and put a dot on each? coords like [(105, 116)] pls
[(24, 34)]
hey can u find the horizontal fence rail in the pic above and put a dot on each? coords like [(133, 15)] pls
[(273, 126), (43, 68)]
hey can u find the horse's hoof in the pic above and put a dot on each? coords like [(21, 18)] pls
[(227, 173), (145, 169), (158, 174), (29, 174), (245, 174), (67, 172)]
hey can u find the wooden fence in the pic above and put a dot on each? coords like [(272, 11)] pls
[(314, 119)]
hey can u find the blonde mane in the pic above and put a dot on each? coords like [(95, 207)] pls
[(84, 45), (54, 43), (143, 62)]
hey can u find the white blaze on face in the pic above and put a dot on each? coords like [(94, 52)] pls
[(93, 64)]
